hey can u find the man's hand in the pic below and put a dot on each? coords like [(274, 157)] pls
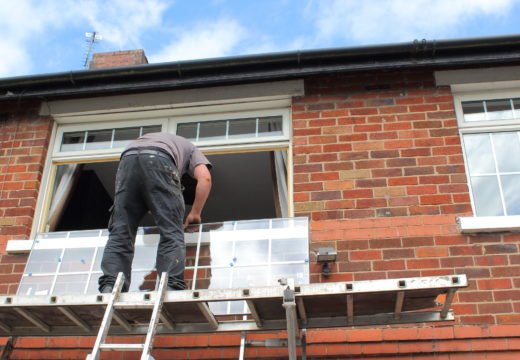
[(192, 219)]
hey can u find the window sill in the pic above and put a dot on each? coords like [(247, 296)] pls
[(19, 246), (469, 225)]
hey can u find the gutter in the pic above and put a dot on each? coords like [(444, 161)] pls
[(265, 67)]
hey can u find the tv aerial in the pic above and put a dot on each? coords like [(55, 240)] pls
[(91, 38)]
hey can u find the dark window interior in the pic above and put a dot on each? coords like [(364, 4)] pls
[(243, 188)]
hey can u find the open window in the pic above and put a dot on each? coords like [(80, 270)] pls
[(249, 154)]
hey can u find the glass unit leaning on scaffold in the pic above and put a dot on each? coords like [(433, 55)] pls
[(232, 254)]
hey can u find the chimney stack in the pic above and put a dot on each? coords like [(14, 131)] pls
[(117, 59)]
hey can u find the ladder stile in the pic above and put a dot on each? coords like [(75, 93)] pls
[(107, 318), (152, 327)]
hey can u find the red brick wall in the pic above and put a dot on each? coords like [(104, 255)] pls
[(24, 140), (380, 172), (378, 168)]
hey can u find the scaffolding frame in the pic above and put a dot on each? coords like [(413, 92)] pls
[(283, 307)]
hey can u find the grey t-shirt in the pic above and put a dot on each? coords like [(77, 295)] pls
[(185, 154)]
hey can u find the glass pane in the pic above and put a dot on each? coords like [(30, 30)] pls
[(144, 257), (473, 111), (251, 276), (123, 136), (298, 272), (221, 253), (143, 281), (73, 141), (486, 195), (213, 129), (289, 250), (511, 189), (252, 224), (35, 285), (97, 260), (479, 154), (251, 252), (270, 126), (43, 261), (241, 127), (152, 129), (507, 150), (220, 278), (99, 139), (70, 284), (93, 283), (76, 260), (499, 109), (188, 131)]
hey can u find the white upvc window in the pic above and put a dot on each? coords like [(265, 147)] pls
[(489, 123), (249, 150)]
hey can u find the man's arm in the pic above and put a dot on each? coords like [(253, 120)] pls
[(203, 177)]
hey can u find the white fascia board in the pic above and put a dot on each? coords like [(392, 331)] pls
[(468, 225)]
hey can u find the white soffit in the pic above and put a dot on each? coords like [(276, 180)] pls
[(173, 99), (479, 79), (489, 224)]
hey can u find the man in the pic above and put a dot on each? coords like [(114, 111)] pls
[(148, 179)]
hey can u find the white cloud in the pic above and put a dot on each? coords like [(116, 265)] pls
[(122, 22), (206, 40), (397, 20), (26, 24)]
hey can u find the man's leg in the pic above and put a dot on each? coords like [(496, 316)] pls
[(164, 198), (128, 210)]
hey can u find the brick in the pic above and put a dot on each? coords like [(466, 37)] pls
[(422, 264), (431, 252), (386, 265), (500, 248)]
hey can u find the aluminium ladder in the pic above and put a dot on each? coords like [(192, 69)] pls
[(110, 311)]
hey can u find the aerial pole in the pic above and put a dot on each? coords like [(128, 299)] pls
[(91, 39)]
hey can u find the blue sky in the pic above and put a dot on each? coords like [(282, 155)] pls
[(48, 36)]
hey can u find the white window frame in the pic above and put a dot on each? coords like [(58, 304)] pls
[(251, 142), (480, 92), (58, 155), (168, 121)]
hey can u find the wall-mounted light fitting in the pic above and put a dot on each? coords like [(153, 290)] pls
[(324, 256)]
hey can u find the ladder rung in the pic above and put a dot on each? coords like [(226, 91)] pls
[(134, 305), (122, 347)]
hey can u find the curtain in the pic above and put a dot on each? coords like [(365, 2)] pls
[(66, 178), (280, 169)]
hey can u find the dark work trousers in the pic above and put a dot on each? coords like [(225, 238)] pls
[(146, 182)]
